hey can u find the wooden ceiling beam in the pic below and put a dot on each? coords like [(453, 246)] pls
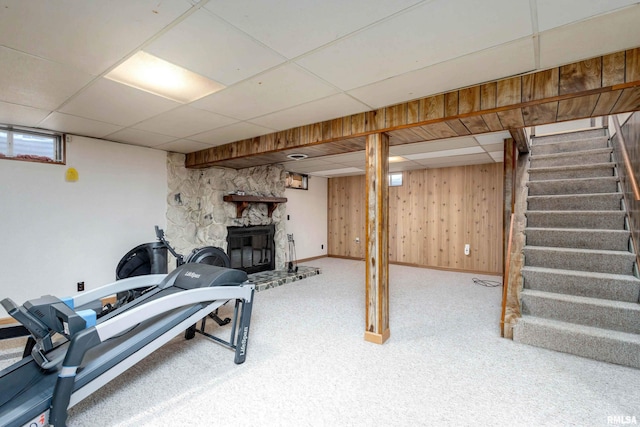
[(594, 87)]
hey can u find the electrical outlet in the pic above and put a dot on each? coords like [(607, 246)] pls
[(357, 240), (321, 246), (467, 249), (80, 286)]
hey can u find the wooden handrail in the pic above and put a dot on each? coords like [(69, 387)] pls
[(627, 162), (505, 281)]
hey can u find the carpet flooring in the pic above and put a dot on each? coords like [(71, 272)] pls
[(308, 365)]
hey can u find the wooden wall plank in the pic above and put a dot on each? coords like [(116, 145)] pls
[(543, 84), (577, 108), (613, 66), (457, 126), (509, 91), (451, 103), (432, 108), (605, 103), (511, 119), (581, 76), (629, 101), (493, 122), (540, 114), (475, 124), (396, 115), (488, 94), (469, 100), (632, 68), (413, 112), (436, 131)]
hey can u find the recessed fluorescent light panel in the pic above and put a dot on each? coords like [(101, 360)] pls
[(396, 159), (152, 74)]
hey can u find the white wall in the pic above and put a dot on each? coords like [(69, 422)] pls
[(56, 233), (307, 213), (566, 126)]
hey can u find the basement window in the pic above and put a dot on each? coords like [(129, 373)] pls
[(395, 179), (31, 145)]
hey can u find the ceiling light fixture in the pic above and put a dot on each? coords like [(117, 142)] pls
[(154, 75), (397, 159), (297, 156)]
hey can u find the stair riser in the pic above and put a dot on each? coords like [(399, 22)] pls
[(614, 263), (609, 202), (588, 186), (604, 171), (568, 146), (594, 347), (584, 239), (606, 317), (570, 136), (577, 159), (611, 220), (626, 290)]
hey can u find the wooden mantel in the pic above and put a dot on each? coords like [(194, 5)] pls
[(242, 202)]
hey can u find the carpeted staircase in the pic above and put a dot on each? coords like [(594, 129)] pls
[(580, 291)]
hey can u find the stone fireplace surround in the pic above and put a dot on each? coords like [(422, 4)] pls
[(197, 216)]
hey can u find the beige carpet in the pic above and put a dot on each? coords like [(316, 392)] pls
[(308, 365)]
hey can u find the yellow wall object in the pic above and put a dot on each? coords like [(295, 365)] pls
[(71, 175)]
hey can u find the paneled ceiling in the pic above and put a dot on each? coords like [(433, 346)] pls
[(285, 63)]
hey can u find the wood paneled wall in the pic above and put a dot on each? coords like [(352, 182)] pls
[(431, 217)]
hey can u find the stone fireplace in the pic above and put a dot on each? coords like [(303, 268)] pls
[(198, 216)]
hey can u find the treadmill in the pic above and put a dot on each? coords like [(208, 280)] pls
[(76, 351)]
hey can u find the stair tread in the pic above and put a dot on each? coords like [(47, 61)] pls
[(589, 251), (565, 212), (575, 180), (571, 153), (577, 167), (579, 230), (633, 306), (586, 274), (584, 329), (617, 193)]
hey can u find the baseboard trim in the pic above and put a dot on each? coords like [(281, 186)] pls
[(377, 338), (298, 261), (428, 267)]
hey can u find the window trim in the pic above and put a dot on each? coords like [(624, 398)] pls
[(60, 144)]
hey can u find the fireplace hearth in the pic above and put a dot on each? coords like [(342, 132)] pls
[(251, 248)]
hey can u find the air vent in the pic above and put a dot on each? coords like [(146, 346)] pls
[(297, 156)]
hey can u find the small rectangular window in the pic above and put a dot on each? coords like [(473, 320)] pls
[(395, 179), (31, 145)]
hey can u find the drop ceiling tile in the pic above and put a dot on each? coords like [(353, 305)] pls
[(498, 156), (434, 32), (490, 64), (471, 159), (184, 121), (553, 14), (281, 24), (88, 35), (207, 45), (492, 138), (405, 166), (315, 111), (358, 156), (183, 146), (431, 146), (489, 148), (445, 153), (231, 133), (139, 137), (13, 114), (78, 125), (36, 82), (111, 102), (307, 168), (597, 36), (277, 89), (339, 171)]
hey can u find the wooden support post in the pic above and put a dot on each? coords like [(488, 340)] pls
[(377, 243)]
